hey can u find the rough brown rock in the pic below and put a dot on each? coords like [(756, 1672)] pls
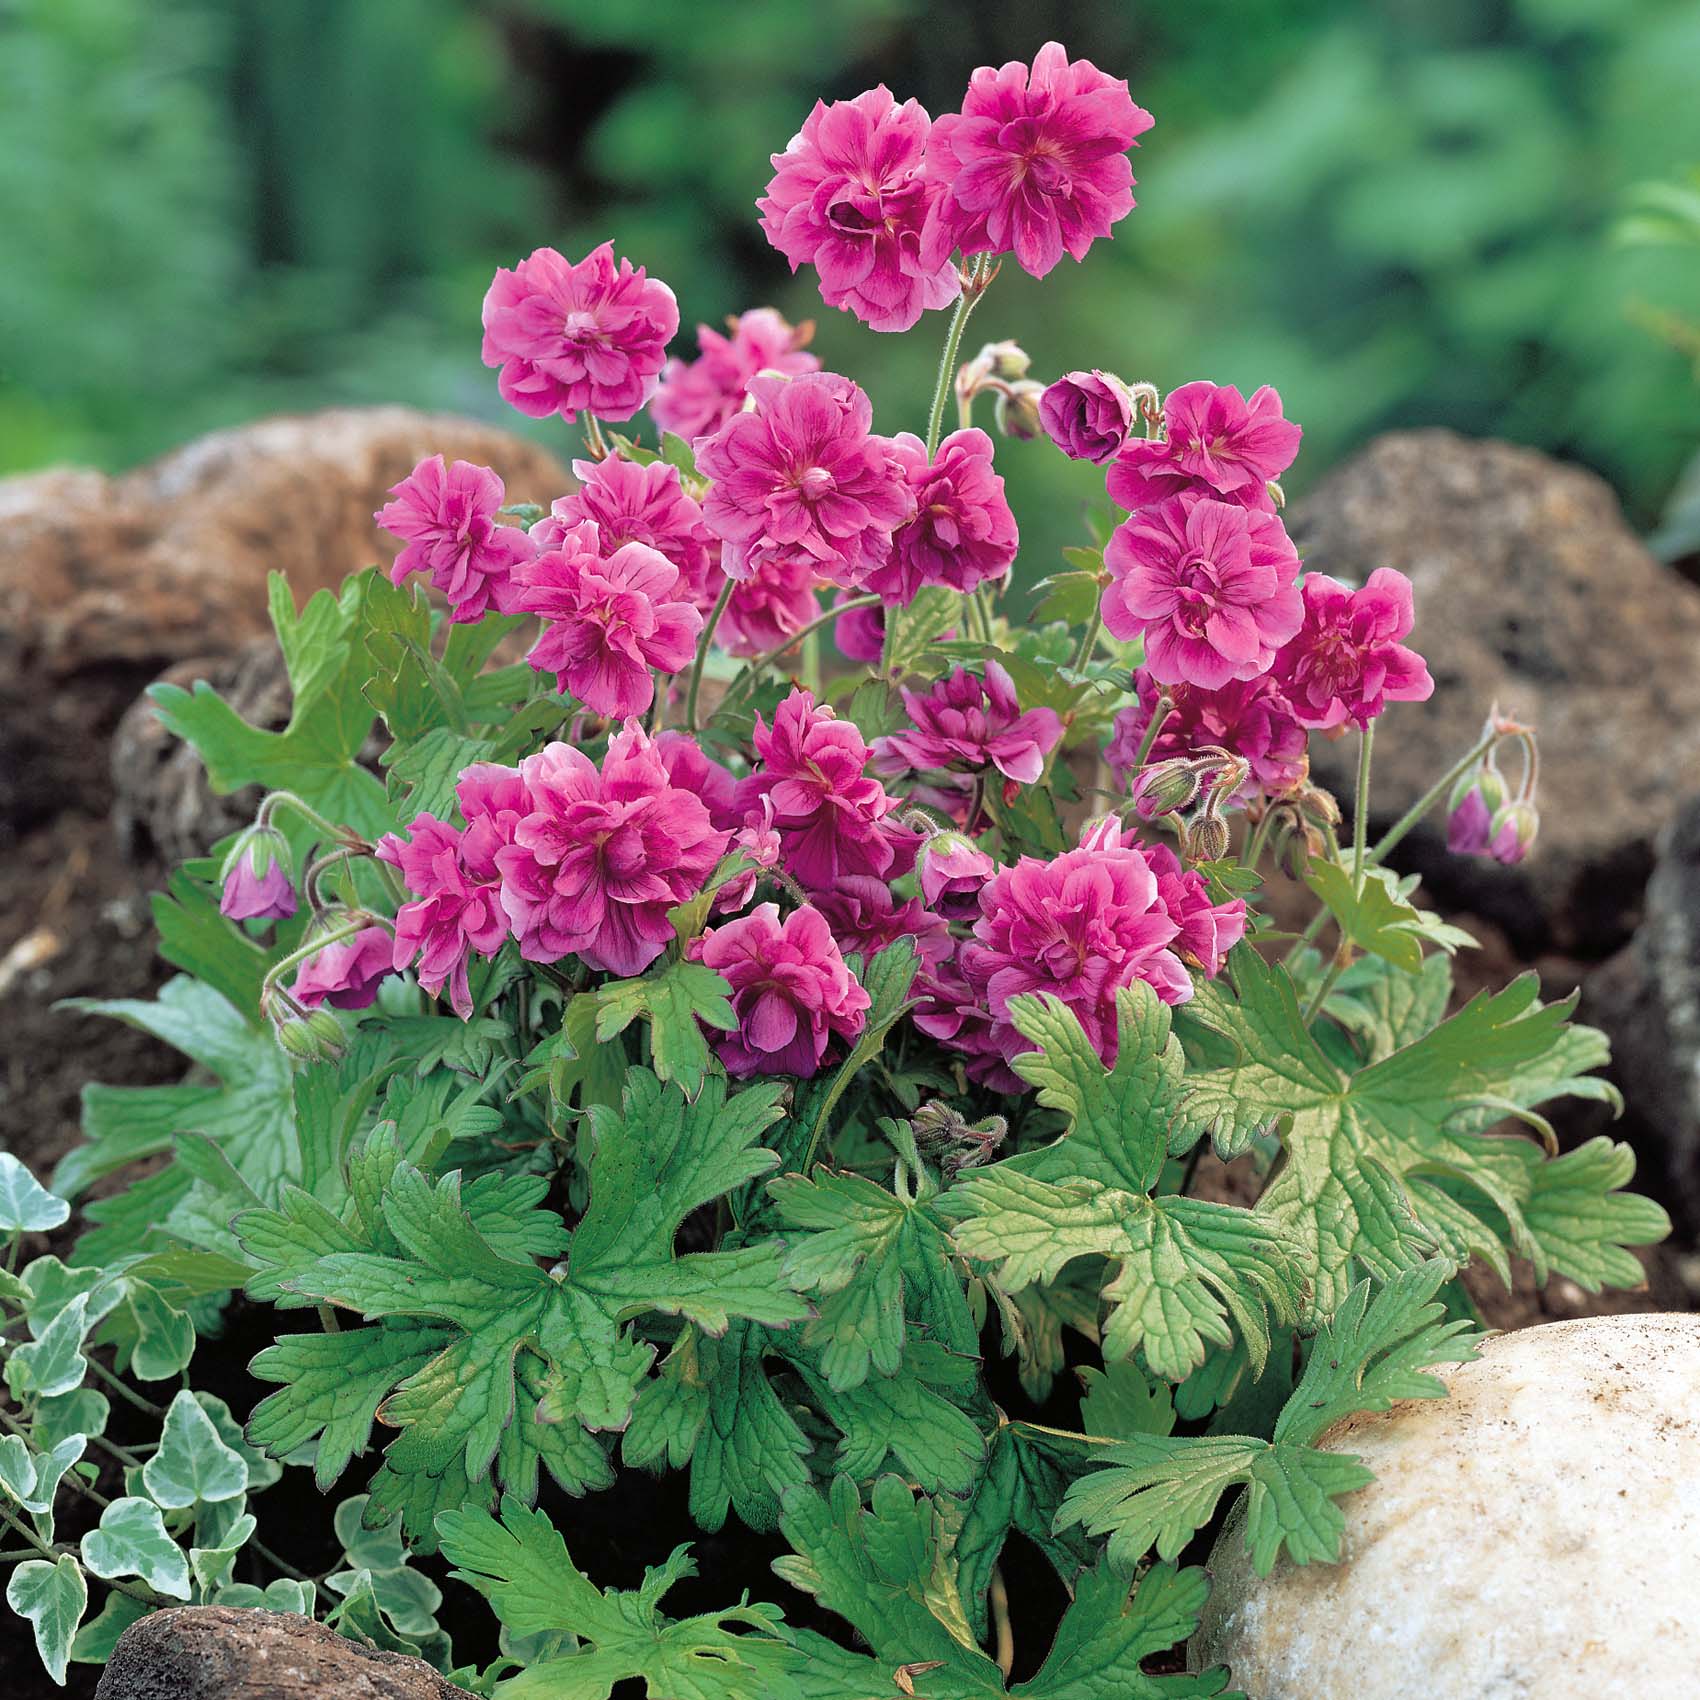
[(219, 1653), (105, 582), (1647, 998), (1531, 590)]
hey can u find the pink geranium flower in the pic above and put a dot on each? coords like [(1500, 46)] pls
[(791, 992), (1214, 441), (966, 722), (690, 768), (833, 818), (1346, 663), (257, 883), (447, 520), (346, 975), (804, 479), (458, 907), (607, 622), (1080, 926), (699, 396), (1036, 162), (639, 504), (1250, 718), (770, 607), (1208, 930), (850, 196), (603, 855), (572, 339), (962, 533), (1211, 587)]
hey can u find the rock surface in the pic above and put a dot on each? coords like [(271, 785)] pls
[(1535, 1536), (105, 582), (1532, 590), (219, 1653), (1647, 998)]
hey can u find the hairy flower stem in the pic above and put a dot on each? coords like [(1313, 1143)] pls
[(973, 288), (1159, 714), (1442, 787), (762, 661), (1342, 960), (277, 800), (695, 687), (1253, 852), (1360, 813), (1089, 641)]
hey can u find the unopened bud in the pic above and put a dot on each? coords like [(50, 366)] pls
[(1167, 787), (1006, 360), (1512, 831), (315, 1036), (1017, 410), (954, 1142), (1206, 839), (258, 877)]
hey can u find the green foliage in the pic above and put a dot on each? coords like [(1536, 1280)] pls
[(1157, 1489)]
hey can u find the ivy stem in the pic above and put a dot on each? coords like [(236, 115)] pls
[(1360, 813), (124, 1391), (701, 661)]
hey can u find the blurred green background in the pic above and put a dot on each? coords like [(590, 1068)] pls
[(1398, 212)]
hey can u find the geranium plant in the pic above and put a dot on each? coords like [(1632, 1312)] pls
[(814, 1075)]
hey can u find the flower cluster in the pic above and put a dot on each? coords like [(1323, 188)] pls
[(877, 196)]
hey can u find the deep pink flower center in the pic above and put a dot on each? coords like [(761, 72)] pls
[(816, 484)]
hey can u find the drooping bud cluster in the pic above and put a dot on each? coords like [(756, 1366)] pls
[(1484, 816)]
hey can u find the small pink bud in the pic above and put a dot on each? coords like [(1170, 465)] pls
[(1167, 787), (315, 1037), (1512, 831), (953, 868), (1088, 415), (257, 885), (1476, 798)]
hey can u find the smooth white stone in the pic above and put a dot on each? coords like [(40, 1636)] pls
[(1534, 1536)]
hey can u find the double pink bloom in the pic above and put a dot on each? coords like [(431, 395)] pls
[(578, 338), (448, 520), (802, 479), (1214, 442), (698, 396), (1211, 586)]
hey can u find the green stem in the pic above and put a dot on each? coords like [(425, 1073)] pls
[(1442, 787), (1159, 714), (703, 642), (965, 304), (288, 800), (1360, 814), (278, 1563), (1335, 969), (124, 1391), (593, 438), (1259, 838), (814, 625), (1089, 639), (357, 922)]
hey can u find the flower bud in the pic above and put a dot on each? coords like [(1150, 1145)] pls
[(1476, 799), (1017, 410), (257, 882), (1088, 415), (953, 868), (1166, 787), (952, 1141), (1206, 839), (1511, 833), (316, 1036)]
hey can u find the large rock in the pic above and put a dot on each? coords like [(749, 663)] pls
[(1532, 591), (1647, 998), (220, 1653), (105, 582), (1534, 1536)]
